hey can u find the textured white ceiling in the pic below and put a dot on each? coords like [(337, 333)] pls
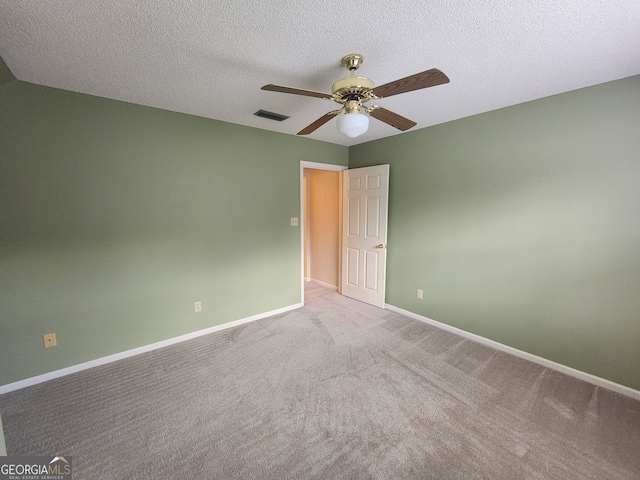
[(210, 58)]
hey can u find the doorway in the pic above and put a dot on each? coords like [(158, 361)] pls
[(321, 226)]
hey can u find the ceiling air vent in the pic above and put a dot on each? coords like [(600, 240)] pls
[(270, 115)]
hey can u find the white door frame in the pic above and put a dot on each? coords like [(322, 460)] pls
[(315, 166)]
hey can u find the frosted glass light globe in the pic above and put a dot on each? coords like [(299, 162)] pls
[(353, 124)]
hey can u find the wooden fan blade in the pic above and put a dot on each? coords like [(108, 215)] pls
[(318, 123), (428, 78), (393, 119), (297, 91)]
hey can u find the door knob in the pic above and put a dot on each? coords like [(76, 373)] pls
[(380, 246)]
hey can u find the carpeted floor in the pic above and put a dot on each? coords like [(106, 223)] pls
[(335, 390)]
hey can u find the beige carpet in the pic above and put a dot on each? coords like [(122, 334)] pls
[(337, 389)]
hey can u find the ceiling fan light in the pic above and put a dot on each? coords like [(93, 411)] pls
[(353, 124)]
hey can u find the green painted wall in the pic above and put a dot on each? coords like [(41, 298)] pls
[(115, 218), (5, 74), (523, 225)]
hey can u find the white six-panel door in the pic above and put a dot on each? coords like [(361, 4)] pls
[(364, 243)]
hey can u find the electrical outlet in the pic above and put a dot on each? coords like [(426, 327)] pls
[(420, 294), (197, 306), (294, 221), (49, 340)]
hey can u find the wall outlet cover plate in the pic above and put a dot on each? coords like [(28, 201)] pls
[(49, 340)]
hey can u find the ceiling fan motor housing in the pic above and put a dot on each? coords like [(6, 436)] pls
[(352, 88)]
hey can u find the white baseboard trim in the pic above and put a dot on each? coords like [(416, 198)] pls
[(10, 387), (324, 284), (587, 377), (3, 446)]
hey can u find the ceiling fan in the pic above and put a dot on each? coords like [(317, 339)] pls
[(353, 92)]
